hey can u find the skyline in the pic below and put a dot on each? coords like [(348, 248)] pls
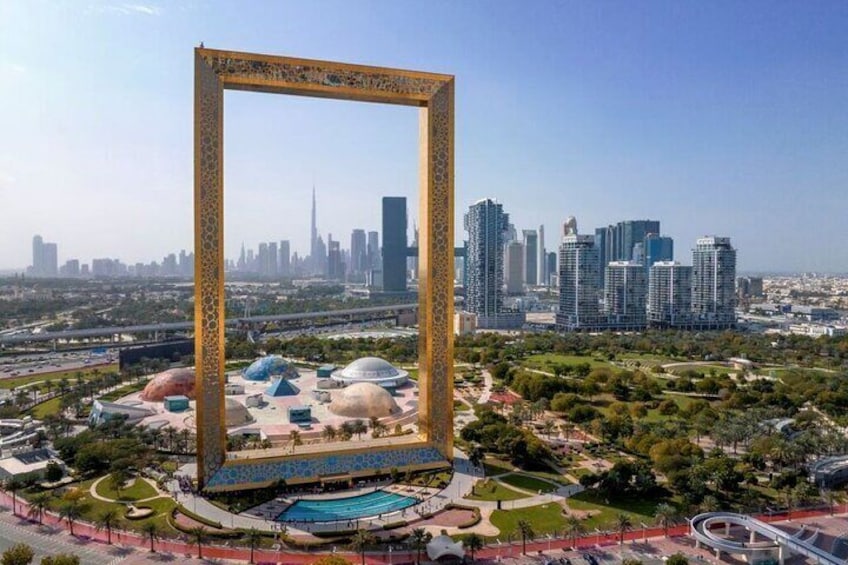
[(731, 114)]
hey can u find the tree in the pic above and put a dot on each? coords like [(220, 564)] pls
[(20, 554), (53, 472), (476, 455), (574, 528), (70, 511), (665, 515), (361, 540), (106, 521), (419, 539), (474, 543), (677, 559), (631, 561), (526, 531), (13, 486), (623, 524), (329, 432), (199, 535), (38, 503), (61, 559), (151, 530), (295, 438), (253, 538)]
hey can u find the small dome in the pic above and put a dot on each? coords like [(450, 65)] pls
[(363, 400), (372, 370), (236, 413), (173, 382), (272, 365)]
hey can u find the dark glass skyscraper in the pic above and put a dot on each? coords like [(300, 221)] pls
[(394, 243)]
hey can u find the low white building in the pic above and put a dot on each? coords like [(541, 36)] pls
[(28, 465)]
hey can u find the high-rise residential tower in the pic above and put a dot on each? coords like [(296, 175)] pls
[(714, 282), (487, 224), (45, 258), (625, 295), (394, 243), (669, 295), (316, 254), (531, 257), (578, 283)]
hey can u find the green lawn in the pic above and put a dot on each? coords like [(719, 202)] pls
[(527, 483), (497, 467), (604, 513), (139, 490), (546, 361), (92, 508), (544, 518), (705, 369), (123, 391), (491, 490), (459, 406), (52, 406), (87, 374)]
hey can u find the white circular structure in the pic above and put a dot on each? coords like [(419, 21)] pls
[(363, 400), (371, 370)]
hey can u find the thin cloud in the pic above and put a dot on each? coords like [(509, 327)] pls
[(133, 9)]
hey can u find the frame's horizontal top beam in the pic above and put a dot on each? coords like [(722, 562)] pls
[(289, 75)]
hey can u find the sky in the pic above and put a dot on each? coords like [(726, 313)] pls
[(726, 118)]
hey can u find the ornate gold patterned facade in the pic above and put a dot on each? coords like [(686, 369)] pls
[(434, 94)]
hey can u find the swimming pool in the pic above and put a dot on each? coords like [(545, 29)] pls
[(350, 508)]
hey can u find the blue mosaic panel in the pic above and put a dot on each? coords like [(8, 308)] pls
[(236, 473)]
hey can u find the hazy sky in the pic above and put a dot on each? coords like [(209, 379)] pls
[(713, 117)]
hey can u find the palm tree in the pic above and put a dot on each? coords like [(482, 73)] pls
[(151, 530), (13, 486), (360, 540), (420, 538), (294, 436), (199, 534), (623, 524), (574, 528), (253, 538), (474, 543), (329, 432), (359, 428), (665, 515), (38, 504), (476, 455), (526, 531), (107, 520), (548, 426), (71, 512)]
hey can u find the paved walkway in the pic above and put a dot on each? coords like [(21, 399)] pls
[(487, 388)]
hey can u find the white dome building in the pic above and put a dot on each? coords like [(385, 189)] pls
[(363, 400), (371, 370)]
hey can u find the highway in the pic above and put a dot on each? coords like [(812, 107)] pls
[(184, 326)]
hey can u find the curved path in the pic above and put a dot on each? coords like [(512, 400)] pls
[(700, 526)]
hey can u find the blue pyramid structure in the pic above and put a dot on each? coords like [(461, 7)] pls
[(281, 387)]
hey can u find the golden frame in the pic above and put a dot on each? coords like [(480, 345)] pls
[(216, 70)]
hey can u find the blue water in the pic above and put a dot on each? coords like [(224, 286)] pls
[(351, 508)]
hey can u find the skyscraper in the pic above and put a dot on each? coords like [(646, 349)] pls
[(578, 283), (335, 265), (714, 282), (514, 268), (394, 243), (316, 254), (284, 263), (531, 257), (373, 250), (658, 248), (486, 224), (262, 259), (669, 294), (358, 254), (625, 294), (616, 242), (541, 263), (45, 258)]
